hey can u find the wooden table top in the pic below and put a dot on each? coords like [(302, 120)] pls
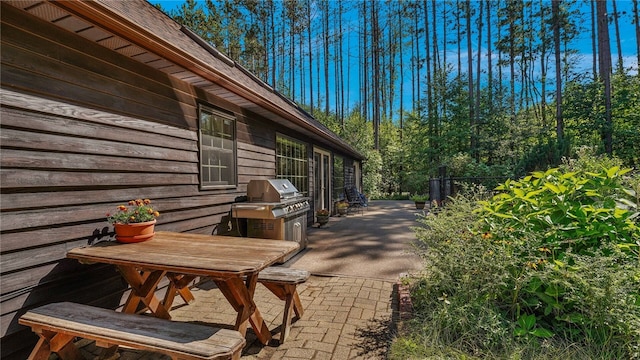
[(194, 254)]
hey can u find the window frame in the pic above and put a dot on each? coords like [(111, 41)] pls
[(305, 164), (234, 153)]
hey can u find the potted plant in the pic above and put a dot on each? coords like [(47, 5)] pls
[(342, 207), (420, 200), (134, 222), (322, 216)]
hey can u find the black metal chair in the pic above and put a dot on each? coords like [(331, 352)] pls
[(356, 200)]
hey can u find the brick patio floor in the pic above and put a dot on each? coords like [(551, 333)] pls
[(347, 316)]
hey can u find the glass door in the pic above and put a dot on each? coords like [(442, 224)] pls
[(321, 179)]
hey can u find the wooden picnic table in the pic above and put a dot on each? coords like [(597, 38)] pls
[(233, 263)]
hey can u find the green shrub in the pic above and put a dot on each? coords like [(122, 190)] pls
[(549, 266), (454, 300), (420, 198), (577, 241), (577, 210)]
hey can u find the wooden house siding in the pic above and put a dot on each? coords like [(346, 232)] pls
[(83, 129), (81, 134), (349, 173)]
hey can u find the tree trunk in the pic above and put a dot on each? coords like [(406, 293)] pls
[(418, 60), (472, 117), (620, 65), (543, 63), (555, 13), (341, 64), (459, 42), (604, 62), (273, 46), (401, 51), (477, 98), (489, 65), (636, 21), (512, 68), (428, 64), (365, 58), (325, 43), (443, 76), (375, 44), (310, 56), (593, 40)]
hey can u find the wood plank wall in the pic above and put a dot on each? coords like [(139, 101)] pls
[(349, 173), (84, 129)]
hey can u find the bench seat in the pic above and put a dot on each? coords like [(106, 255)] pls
[(283, 282), (58, 324)]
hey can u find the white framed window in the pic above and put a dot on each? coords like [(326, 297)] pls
[(217, 146), (292, 162)]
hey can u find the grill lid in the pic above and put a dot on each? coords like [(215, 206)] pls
[(271, 190)]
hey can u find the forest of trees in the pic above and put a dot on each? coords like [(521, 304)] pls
[(486, 88)]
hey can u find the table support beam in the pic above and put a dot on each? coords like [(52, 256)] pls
[(143, 286), (239, 293)]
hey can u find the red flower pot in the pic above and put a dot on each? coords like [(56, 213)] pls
[(135, 232)]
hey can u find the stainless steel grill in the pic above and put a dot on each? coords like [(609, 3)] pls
[(275, 210)]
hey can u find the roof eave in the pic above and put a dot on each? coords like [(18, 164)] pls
[(123, 27)]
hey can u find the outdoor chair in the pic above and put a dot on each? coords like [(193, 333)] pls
[(356, 200)]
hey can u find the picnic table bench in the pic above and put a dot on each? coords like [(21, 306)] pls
[(58, 324), (282, 282)]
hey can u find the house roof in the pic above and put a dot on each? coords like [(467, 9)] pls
[(143, 32)]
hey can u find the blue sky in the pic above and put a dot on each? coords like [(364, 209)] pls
[(582, 44)]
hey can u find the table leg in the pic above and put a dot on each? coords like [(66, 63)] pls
[(178, 285), (143, 287), (240, 296), (61, 344)]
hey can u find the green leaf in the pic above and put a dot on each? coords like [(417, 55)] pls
[(574, 318), (534, 285), (612, 172), (546, 298), (568, 175), (627, 202), (552, 187), (542, 333), (527, 321), (533, 193), (502, 196), (532, 302), (520, 332), (624, 171), (519, 192), (553, 290)]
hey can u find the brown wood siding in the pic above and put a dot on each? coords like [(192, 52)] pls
[(81, 134), (84, 129), (349, 173)]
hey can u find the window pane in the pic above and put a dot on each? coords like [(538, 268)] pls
[(292, 163), (217, 144)]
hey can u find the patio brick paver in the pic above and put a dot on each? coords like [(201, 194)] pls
[(348, 315), (335, 320)]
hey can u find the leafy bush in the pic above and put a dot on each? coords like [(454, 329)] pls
[(576, 236), (575, 210), (372, 178), (548, 266)]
